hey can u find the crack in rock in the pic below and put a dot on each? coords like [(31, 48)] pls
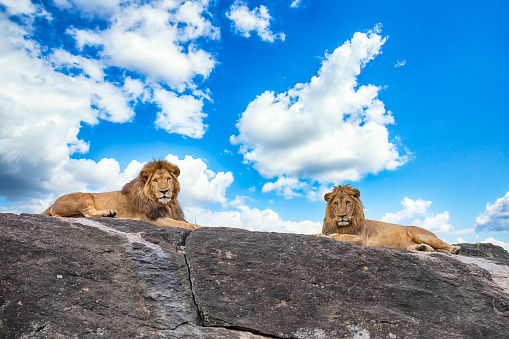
[(157, 272)]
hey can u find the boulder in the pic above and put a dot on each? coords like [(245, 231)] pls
[(119, 278)]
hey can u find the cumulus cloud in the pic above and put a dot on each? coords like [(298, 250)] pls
[(42, 110), (257, 20), (198, 184), (252, 219), (16, 7), (158, 40), (412, 208), (416, 213), (149, 39), (329, 129), (495, 217), (73, 176), (47, 94), (180, 114), (285, 186)]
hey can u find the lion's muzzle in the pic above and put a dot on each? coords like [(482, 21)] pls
[(343, 221), (164, 196)]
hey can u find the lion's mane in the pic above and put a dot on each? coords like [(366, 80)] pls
[(358, 221), (140, 196)]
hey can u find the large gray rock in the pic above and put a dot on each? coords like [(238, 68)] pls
[(103, 277), (117, 278)]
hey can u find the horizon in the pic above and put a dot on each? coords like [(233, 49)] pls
[(264, 106)]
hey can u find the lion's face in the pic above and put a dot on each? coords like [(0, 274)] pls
[(341, 206), (161, 186)]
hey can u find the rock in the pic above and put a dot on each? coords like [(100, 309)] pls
[(96, 277), (119, 278), (297, 286), (489, 251)]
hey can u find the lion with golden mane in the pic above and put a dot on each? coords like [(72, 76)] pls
[(151, 196), (344, 220)]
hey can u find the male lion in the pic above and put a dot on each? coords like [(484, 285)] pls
[(152, 197), (344, 220)]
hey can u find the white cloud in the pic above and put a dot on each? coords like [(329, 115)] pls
[(77, 176), (91, 6), (198, 184), (496, 242), (330, 129), (16, 7), (252, 219), (157, 39), (45, 98), (148, 39), (418, 210), (88, 175), (412, 209), (285, 186), (317, 194), (296, 3), (257, 20), (34, 206), (42, 110), (495, 217), (400, 63), (180, 114), (435, 223)]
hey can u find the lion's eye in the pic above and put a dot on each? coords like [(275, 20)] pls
[(155, 180), (335, 203), (169, 179), (348, 202)]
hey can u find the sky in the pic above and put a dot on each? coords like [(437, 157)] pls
[(264, 106)]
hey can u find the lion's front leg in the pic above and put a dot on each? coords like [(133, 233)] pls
[(354, 239), (92, 212), (168, 222)]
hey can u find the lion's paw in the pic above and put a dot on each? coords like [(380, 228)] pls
[(112, 213), (420, 247), (455, 249)]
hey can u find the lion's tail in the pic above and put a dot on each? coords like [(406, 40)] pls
[(47, 211)]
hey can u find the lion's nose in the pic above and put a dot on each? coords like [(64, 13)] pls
[(164, 192), (342, 216)]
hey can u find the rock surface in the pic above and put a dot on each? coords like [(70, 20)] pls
[(117, 278)]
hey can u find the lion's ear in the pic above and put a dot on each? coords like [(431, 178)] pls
[(356, 193), (176, 171), (144, 175), (327, 196)]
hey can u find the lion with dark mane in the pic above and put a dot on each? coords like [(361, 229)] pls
[(344, 220), (151, 196)]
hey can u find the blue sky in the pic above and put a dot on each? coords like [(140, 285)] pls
[(264, 105)]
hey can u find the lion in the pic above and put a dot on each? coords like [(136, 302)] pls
[(151, 196), (344, 220)]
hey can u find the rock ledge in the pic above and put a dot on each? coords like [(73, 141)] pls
[(119, 278)]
